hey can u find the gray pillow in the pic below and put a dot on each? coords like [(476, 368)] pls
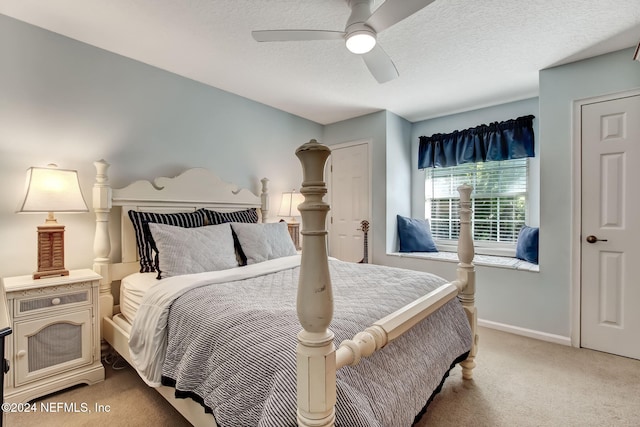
[(193, 250), (262, 242)]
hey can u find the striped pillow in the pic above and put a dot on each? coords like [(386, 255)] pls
[(246, 216), (144, 240)]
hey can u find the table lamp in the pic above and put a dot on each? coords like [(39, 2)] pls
[(51, 190), (289, 208)]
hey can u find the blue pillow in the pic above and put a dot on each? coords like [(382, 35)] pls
[(415, 235), (527, 246)]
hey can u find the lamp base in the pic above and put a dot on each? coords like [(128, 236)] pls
[(52, 273), (50, 251), (294, 231)]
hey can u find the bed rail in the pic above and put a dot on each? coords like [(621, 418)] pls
[(317, 358)]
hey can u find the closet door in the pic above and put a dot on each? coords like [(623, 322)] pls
[(610, 289), (349, 181)]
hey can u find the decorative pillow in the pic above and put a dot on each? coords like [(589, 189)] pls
[(262, 242), (527, 246), (415, 235), (144, 240), (193, 250), (247, 216)]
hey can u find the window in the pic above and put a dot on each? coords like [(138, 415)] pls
[(499, 203)]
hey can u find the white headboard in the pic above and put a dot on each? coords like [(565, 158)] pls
[(191, 190)]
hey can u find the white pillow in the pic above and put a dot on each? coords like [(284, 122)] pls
[(193, 250), (262, 242)]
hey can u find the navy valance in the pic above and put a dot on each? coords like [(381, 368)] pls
[(511, 139)]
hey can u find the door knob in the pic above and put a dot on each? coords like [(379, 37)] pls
[(593, 239)]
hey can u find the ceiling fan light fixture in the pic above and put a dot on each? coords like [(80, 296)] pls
[(360, 41)]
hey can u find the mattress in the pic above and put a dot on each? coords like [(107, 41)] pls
[(132, 290)]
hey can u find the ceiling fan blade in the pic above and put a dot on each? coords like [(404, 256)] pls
[(393, 11), (296, 35), (380, 65)]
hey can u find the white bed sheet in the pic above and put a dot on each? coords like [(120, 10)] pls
[(132, 290)]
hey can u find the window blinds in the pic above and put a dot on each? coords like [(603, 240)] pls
[(498, 199)]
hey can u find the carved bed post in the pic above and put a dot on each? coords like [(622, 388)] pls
[(264, 199), (467, 275), (102, 242), (316, 360)]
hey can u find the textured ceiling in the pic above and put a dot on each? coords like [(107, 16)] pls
[(452, 56)]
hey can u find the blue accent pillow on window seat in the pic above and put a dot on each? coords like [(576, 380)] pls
[(415, 235), (527, 246)]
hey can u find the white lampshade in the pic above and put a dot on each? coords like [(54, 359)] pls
[(289, 204), (361, 41), (52, 190)]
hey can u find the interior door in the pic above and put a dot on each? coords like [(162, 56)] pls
[(349, 185), (610, 290)]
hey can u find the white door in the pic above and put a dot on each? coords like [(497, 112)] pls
[(349, 186), (610, 313)]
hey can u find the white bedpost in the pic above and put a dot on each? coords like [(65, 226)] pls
[(467, 276), (102, 242), (264, 199), (316, 359)]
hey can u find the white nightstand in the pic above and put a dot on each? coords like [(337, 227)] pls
[(56, 334)]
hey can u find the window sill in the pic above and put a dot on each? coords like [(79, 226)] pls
[(501, 251), (484, 260)]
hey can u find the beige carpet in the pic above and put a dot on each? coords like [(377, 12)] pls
[(518, 382), (525, 382)]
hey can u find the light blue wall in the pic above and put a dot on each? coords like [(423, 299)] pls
[(499, 290), (399, 176), (560, 87), (66, 102), (69, 103), (536, 301)]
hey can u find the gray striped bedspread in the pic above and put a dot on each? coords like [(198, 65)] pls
[(232, 344)]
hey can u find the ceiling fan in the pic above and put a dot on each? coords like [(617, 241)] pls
[(359, 33)]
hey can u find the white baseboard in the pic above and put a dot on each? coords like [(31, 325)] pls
[(530, 333)]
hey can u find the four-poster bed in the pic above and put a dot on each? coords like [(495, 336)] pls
[(317, 373)]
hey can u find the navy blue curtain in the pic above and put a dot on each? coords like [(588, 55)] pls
[(511, 139)]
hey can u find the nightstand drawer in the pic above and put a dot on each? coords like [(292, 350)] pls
[(35, 304)]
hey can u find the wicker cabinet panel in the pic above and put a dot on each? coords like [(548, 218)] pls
[(46, 346)]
